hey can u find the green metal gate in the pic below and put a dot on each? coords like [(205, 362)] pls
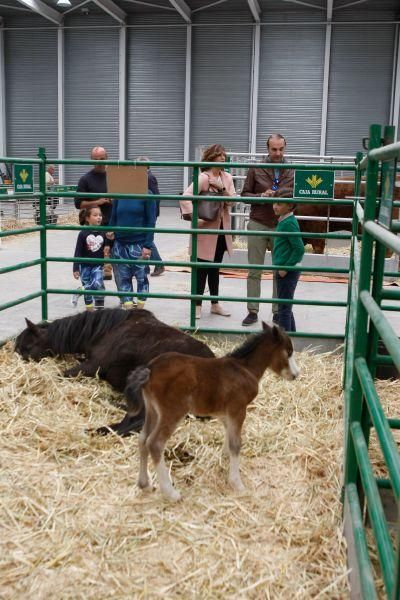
[(193, 264), (367, 328)]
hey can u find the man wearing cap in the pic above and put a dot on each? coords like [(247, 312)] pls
[(264, 183)]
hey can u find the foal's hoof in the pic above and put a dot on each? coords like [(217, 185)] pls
[(237, 486), (101, 430), (145, 487), (172, 496)]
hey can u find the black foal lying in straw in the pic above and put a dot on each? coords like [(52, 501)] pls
[(114, 342), (173, 385)]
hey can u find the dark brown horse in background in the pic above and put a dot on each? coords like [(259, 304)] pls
[(113, 342), (344, 189), (173, 385)]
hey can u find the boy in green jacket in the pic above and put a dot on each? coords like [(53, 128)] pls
[(288, 251)]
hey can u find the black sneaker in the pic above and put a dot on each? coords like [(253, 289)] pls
[(158, 271), (251, 318)]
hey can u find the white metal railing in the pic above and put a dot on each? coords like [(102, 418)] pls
[(239, 174)]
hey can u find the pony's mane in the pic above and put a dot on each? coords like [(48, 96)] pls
[(69, 335), (249, 345)]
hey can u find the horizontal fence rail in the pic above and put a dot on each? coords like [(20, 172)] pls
[(65, 192)]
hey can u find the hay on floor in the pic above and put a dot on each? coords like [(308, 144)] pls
[(74, 524)]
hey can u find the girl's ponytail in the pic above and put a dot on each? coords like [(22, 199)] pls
[(84, 214)]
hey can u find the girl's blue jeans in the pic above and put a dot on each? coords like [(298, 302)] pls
[(92, 279)]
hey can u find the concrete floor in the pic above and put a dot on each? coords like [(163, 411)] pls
[(20, 283)]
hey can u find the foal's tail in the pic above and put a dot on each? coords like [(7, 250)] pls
[(133, 390)]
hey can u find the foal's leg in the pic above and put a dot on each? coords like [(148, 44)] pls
[(156, 444), (225, 447), (85, 368), (234, 428), (149, 424)]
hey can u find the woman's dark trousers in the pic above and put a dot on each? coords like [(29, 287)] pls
[(211, 274)]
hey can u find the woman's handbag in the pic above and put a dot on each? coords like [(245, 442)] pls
[(208, 210)]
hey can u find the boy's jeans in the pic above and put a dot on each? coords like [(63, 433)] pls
[(286, 289), (126, 272)]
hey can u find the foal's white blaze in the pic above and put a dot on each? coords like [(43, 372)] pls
[(292, 371)]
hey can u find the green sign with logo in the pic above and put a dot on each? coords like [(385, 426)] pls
[(23, 178), (314, 184)]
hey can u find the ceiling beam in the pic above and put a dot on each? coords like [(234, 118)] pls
[(208, 5), (349, 4), (308, 4), (43, 10), (255, 10), (183, 9), (112, 9)]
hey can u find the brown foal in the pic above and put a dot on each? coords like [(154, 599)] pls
[(174, 384)]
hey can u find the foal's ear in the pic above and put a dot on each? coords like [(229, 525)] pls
[(277, 333), (32, 327)]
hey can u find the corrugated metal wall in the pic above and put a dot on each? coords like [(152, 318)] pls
[(360, 84), (291, 84), (156, 99), (31, 91), (221, 78), (91, 91)]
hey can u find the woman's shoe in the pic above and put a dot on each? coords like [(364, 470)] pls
[(216, 309), (198, 312)]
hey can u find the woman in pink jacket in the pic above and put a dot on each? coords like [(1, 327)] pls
[(211, 248)]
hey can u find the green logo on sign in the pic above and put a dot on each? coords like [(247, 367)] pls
[(314, 184), (23, 178)]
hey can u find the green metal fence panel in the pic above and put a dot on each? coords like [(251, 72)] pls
[(361, 546), (366, 326), (194, 231)]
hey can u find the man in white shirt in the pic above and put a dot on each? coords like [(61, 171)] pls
[(50, 175)]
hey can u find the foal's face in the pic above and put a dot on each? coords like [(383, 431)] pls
[(283, 361)]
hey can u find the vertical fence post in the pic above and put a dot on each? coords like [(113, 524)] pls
[(193, 257), (354, 241), (350, 315), (355, 395), (379, 261), (43, 231)]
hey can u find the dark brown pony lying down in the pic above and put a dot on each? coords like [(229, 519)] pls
[(113, 342)]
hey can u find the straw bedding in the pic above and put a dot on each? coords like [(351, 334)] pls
[(73, 523)]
